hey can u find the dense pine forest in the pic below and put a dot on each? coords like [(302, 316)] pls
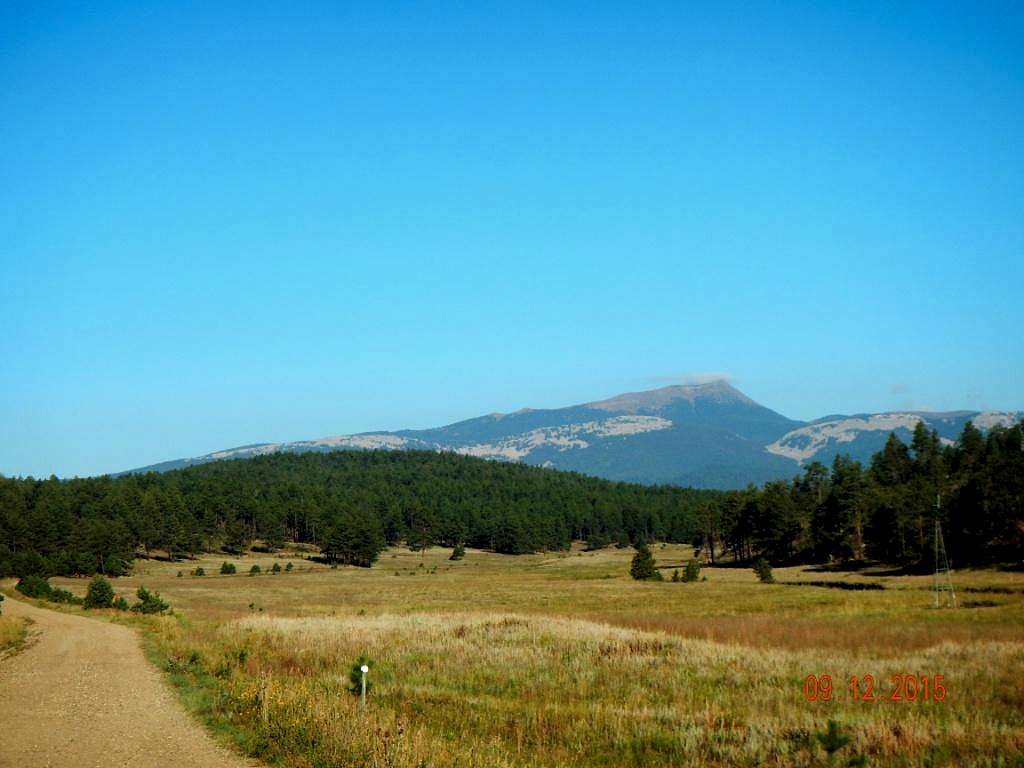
[(885, 511), (351, 504)]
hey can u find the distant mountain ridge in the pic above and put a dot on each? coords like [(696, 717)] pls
[(702, 435)]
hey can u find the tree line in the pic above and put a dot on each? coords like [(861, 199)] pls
[(350, 504), (885, 511)]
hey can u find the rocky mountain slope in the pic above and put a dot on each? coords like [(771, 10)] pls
[(702, 435)]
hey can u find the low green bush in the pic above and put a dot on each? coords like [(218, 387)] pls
[(149, 602), (34, 586), (228, 568), (59, 595), (99, 594)]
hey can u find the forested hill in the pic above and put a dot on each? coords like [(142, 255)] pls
[(350, 503), (353, 503)]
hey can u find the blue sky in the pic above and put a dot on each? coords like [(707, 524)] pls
[(225, 223)]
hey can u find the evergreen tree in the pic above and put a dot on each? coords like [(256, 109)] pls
[(99, 593), (643, 567), (764, 571)]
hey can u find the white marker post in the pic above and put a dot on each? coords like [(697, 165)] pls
[(362, 696)]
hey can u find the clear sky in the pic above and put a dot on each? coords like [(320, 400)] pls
[(225, 223)]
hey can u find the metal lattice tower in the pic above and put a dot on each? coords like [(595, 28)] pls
[(943, 574)]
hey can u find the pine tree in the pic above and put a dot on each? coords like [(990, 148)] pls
[(643, 567), (99, 594), (763, 569)]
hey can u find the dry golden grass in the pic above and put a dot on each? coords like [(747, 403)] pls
[(562, 659), (12, 633)]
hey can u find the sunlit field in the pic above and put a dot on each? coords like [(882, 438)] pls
[(562, 659)]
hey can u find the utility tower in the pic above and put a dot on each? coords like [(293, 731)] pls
[(943, 576)]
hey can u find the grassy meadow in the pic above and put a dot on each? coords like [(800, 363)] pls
[(563, 660)]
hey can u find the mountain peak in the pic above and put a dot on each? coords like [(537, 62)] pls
[(719, 391)]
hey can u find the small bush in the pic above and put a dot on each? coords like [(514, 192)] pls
[(276, 568), (355, 676), (180, 574), (763, 569), (459, 552), (692, 571), (149, 602), (228, 568), (833, 739), (675, 575), (199, 571), (34, 586), (59, 595), (100, 594), (288, 568), (254, 570), (120, 603)]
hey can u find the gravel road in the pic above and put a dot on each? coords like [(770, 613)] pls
[(83, 695)]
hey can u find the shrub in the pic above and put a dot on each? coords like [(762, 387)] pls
[(692, 571), (115, 566), (180, 574), (254, 570), (100, 594), (355, 676), (120, 603), (228, 568), (764, 571), (643, 567), (1, 605), (459, 552), (34, 586), (675, 575), (833, 739), (59, 595), (276, 568), (149, 602), (199, 571), (288, 568)]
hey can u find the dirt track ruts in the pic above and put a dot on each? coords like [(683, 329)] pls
[(83, 695)]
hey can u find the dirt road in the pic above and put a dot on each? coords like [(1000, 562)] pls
[(83, 695)]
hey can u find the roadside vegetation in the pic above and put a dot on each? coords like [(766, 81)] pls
[(12, 632)]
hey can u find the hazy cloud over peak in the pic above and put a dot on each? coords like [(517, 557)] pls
[(704, 377)]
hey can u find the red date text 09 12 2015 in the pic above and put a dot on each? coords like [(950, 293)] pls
[(904, 687)]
